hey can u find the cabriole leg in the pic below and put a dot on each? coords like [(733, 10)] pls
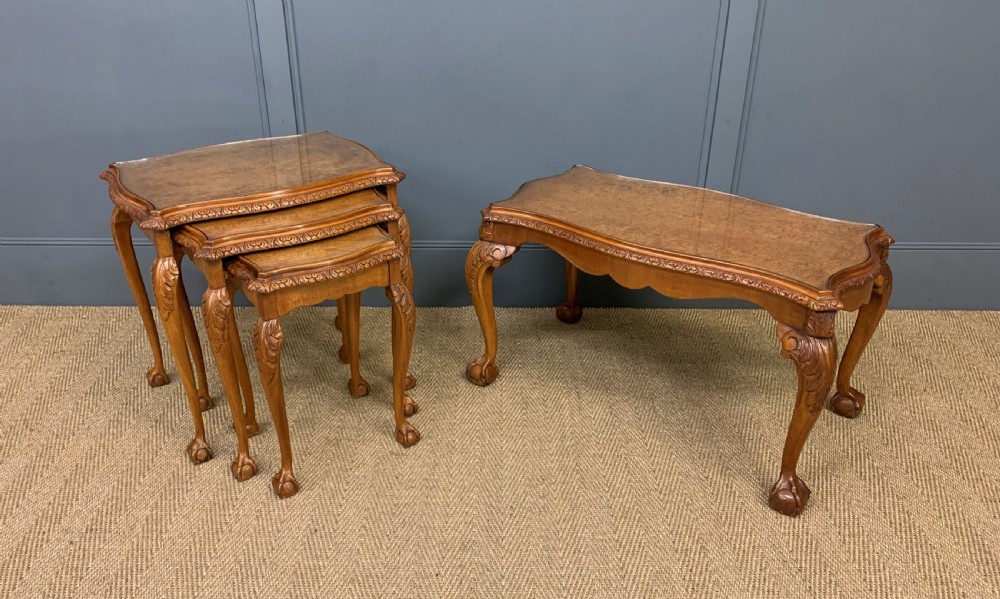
[(848, 401), (404, 319), (246, 387), (193, 343), (267, 338), (483, 259), (215, 310), (121, 232), (166, 275), (815, 360)]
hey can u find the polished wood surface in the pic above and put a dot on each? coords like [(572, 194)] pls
[(262, 179), (271, 269), (225, 237), (278, 281), (243, 177), (693, 243), (692, 223)]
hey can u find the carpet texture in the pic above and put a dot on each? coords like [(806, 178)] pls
[(626, 456)]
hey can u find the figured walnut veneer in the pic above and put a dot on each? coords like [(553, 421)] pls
[(243, 177), (214, 202), (280, 280), (702, 232), (689, 242), (225, 237)]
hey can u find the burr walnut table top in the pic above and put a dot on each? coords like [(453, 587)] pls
[(224, 237), (243, 177), (697, 231)]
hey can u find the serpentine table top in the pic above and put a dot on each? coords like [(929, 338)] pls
[(243, 177), (689, 242)]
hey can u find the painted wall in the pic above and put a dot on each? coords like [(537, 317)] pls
[(866, 112)]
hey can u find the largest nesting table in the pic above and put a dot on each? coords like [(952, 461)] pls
[(689, 242)]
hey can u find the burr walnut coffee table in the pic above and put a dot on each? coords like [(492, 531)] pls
[(689, 242)]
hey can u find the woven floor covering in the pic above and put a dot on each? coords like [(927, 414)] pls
[(626, 456)]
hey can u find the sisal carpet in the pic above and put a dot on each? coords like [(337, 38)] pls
[(626, 456)]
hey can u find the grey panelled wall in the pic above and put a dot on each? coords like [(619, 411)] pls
[(86, 83), (879, 112)]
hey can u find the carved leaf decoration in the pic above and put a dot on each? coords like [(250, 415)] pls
[(820, 305), (256, 245), (165, 274), (405, 266), (485, 254), (267, 338), (815, 361), (216, 306), (403, 300), (151, 221), (241, 271)]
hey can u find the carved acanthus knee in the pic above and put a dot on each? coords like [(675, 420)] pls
[(216, 306), (485, 255), (267, 339), (165, 275), (815, 363)]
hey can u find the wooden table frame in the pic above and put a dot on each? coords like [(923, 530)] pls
[(160, 224), (805, 316)]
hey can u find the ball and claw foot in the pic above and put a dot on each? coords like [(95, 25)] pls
[(410, 407), (342, 354), (848, 405), (359, 389), (569, 314), (156, 378), (284, 484), (198, 451), (252, 428), (205, 403), (243, 467), (411, 381), (407, 435), (789, 495), (481, 372)]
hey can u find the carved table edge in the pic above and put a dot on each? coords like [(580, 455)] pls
[(819, 300), (159, 220), (193, 240), (318, 274)]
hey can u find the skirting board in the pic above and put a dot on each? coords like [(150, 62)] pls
[(927, 276)]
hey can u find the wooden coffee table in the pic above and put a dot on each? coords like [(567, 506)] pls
[(689, 242)]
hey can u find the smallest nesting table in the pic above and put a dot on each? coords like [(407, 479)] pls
[(690, 242)]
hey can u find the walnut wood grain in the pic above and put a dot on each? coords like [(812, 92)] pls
[(483, 259), (165, 276), (244, 177), (569, 311), (356, 385), (121, 232), (701, 232), (692, 243), (848, 401), (404, 316), (270, 270), (304, 275), (815, 362), (225, 237), (216, 311), (267, 339)]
